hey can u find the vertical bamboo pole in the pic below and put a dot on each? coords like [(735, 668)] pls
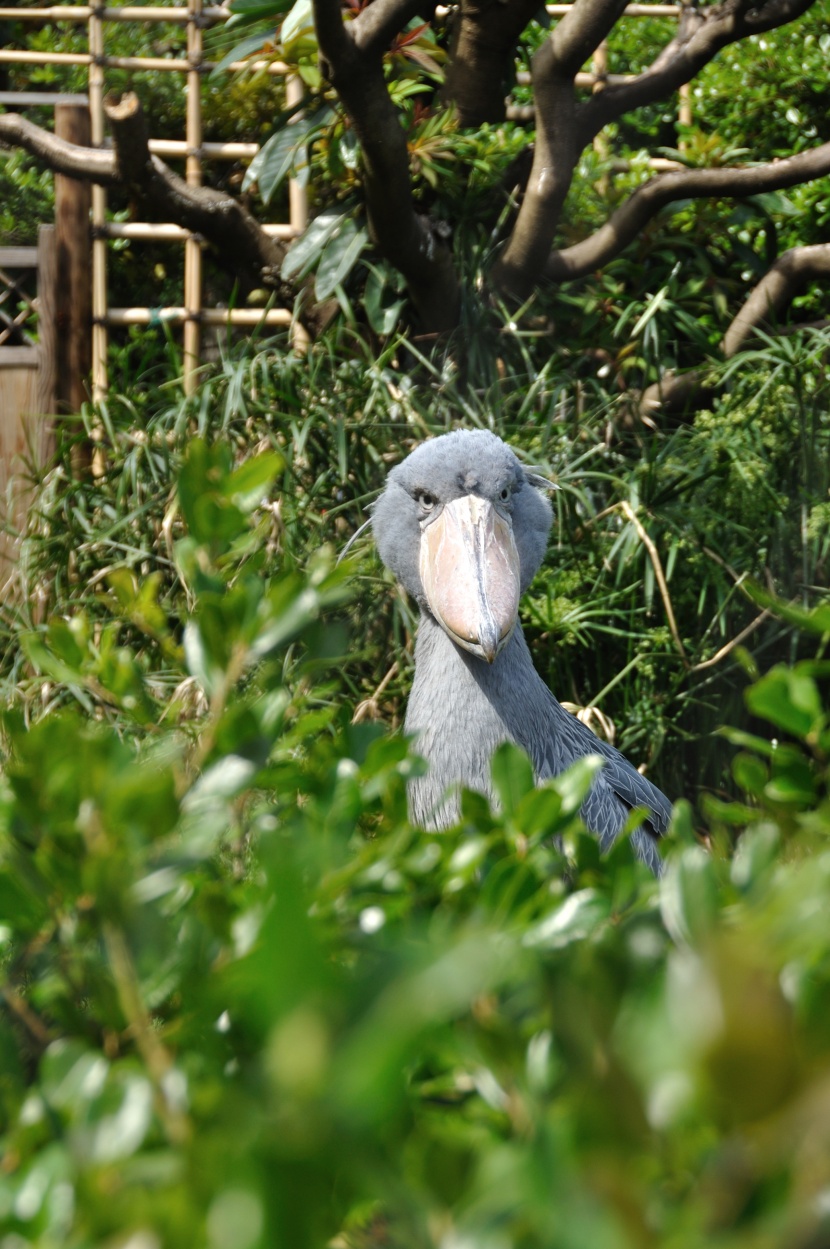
[(99, 209), (193, 174), (297, 205), (684, 111)]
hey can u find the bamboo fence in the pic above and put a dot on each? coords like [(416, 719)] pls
[(194, 18)]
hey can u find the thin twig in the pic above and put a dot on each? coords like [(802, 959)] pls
[(629, 513), (207, 738), (730, 646), (157, 1058), (369, 706), (25, 1013)]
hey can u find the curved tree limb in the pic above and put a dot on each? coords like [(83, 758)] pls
[(777, 288), (678, 393), (564, 126), (578, 35), (354, 66), (238, 239), (90, 165), (484, 39), (702, 33), (559, 141), (375, 28), (629, 219), (218, 217)]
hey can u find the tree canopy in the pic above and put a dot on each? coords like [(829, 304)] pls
[(422, 174)]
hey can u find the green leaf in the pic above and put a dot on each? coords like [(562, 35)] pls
[(200, 664), (788, 698), (750, 773), (119, 1120), (573, 784), (539, 813), (739, 738), (249, 484), (298, 35), (382, 317), (228, 777), (513, 777), (815, 621), (689, 895), (245, 48), (42, 660), (287, 149), (755, 854), (339, 257), (273, 162), (306, 251), (259, 8), (580, 916)]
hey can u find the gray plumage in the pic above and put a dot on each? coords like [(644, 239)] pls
[(461, 706)]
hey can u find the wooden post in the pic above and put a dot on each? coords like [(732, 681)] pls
[(47, 290), (74, 292)]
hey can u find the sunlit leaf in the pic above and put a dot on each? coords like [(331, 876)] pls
[(339, 257)]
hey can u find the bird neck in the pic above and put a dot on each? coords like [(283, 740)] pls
[(460, 709)]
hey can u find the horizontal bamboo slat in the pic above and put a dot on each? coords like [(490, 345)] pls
[(213, 151), (118, 13), (19, 357), (208, 316), (150, 231), (524, 79), (216, 13), (140, 64)]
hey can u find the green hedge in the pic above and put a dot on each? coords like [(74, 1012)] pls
[(246, 1004)]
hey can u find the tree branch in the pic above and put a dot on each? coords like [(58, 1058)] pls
[(564, 127), (559, 141), (67, 158), (375, 28), (218, 217), (629, 219), (678, 393), (403, 237), (484, 39), (578, 35), (777, 288), (702, 33), (240, 243)]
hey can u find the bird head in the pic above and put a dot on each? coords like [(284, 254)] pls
[(463, 525)]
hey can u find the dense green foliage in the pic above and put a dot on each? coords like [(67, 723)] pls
[(762, 98), (246, 1003), (741, 493)]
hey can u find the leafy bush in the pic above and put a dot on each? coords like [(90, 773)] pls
[(245, 1002), (741, 494)]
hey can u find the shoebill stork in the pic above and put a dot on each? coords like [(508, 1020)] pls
[(464, 525)]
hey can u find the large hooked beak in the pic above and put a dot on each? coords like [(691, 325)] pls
[(470, 573)]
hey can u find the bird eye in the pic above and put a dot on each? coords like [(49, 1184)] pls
[(504, 495), (426, 500)]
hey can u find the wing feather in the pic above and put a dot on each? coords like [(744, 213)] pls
[(618, 788)]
